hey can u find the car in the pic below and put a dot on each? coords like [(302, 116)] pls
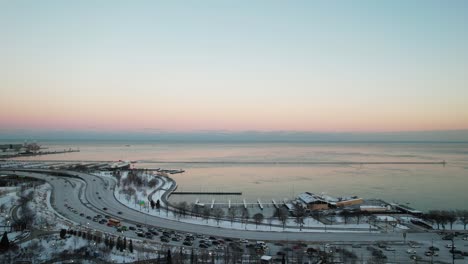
[(95, 219), (415, 257), (88, 217), (428, 253), (411, 251), (203, 246), (107, 216), (164, 239), (465, 238), (455, 251), (356, 246), (450, 246), (149, 236), (175, 238), (244, 241), (81, 214), (139, 226), (105, 208), (448, 237), (132, 228), (99, 197), (187, 243), (432, 248), (119, 212), (390, 249), (458, 256), (155, 233), (124, 228)]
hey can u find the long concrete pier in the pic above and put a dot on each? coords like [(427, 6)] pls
[(304, 162), (443, 162), (40, 153)]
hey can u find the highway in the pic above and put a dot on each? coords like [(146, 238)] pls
[(82, 192)]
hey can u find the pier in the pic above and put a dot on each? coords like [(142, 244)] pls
[(208, 193), (305, 162), (39, 153)]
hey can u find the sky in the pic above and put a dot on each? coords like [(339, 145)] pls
[(184, 66)]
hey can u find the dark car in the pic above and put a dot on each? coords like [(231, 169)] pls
[(165, 239), (119, 212), (187, 243), (203, 246), (105, 208), (81, 214), (131, 228)]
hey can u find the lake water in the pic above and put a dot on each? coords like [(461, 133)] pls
[(421, 186)]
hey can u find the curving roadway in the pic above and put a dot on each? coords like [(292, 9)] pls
[(82, 192)]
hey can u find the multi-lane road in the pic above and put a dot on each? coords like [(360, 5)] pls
[(89, 194)]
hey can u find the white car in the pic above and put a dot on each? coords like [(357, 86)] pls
[(450, 246), (411, 251)]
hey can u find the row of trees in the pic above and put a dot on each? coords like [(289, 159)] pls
[(27, 215), (444, 217), (234, 213), (109, 241)]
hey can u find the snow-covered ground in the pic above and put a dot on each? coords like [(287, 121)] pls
[(46, 217), (51, 246)]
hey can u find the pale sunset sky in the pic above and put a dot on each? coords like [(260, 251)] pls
[(325, 66)]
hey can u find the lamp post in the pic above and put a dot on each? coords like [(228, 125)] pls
[(453, 250)]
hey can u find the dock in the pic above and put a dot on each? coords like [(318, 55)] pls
[(274, 203)]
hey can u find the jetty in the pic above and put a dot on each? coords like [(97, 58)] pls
[(443, 162), (39, 153)]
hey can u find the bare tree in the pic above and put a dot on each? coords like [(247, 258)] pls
[(218, 213), (463, 216), (451, 218), (195, 208), (183, 207), (299, 214), (232, 212), (206, 213), (152, 183), (346, 215), (258, 218), (283, 216), (245, 216)]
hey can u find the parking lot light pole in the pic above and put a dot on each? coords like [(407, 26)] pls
[(453, 250)]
